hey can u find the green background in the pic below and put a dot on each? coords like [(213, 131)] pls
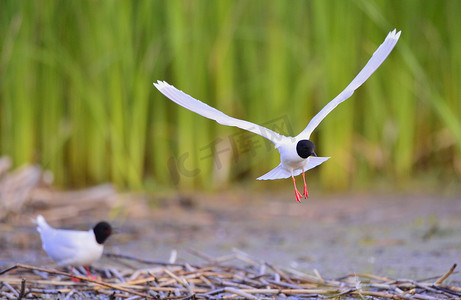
[(76, 92)]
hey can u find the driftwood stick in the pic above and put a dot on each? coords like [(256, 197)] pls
[(22, 291), (15, 293), (447, 291), (181, 281), (112, 286), (8, 269), (239, 292), (276, 270), (441, 279)]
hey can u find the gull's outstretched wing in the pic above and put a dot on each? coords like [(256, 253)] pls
[(209, 112), (375, 61)]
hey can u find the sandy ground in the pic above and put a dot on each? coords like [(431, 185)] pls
[(401, 236)]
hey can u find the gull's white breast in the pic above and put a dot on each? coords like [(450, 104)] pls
[(290, 160)]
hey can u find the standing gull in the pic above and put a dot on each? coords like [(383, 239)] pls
[(296, 153), (71, 247)]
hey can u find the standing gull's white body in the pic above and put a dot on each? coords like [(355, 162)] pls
[(296, 153), (71, 247)]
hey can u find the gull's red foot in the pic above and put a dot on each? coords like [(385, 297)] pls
[(93, 277), (297, 193), (73, 278), (306, 194), (88, 274), (298, 196)]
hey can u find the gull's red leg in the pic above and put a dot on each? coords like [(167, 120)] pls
[(306, 194), (72, 272), (297, 194), (89, 274)]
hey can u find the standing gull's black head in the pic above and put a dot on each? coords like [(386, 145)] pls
[(102, 231), (305, 148)]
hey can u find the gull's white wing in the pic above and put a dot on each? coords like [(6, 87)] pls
[(60, 245), (209, 112), (375, 61)]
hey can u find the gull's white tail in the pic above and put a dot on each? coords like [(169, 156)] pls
[(280, 172), (277, 173), (42, 224)]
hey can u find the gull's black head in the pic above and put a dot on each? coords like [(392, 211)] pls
[(305, 148), (102, 231)]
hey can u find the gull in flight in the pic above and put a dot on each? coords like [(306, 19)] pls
[(296, 153)]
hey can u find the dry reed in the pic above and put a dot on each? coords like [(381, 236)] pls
[(236, 276)]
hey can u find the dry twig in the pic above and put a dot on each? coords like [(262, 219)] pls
[(217, 278)]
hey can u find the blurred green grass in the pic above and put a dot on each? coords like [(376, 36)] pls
[(76, 92)]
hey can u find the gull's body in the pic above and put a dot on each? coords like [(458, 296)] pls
[(291, 164), (71, 247), (296, 153)]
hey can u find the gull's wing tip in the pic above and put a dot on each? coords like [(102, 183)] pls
[(394, 34), (160, 84)]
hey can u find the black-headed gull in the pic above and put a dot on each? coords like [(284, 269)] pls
[(296, 153), (71, 247)]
